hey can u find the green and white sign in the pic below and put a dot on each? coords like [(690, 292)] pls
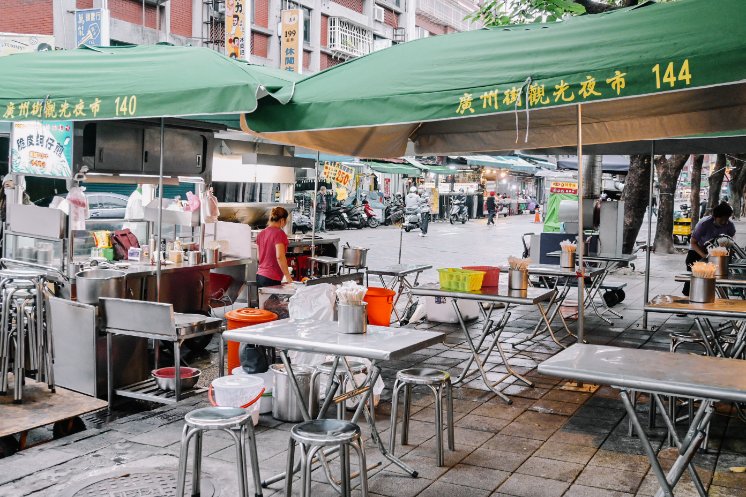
[(42, 148)]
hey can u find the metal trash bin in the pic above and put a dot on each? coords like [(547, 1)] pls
[(285, 405)]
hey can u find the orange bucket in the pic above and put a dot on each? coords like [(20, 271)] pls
[(380, 304), (241, 318)]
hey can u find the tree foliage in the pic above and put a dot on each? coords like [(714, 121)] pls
[(503, 12)]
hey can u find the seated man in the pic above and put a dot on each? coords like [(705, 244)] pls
[(708, 228)]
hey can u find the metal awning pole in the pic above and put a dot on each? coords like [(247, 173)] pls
[(160, 218), (313, 204), (650, 232), (581, 234)]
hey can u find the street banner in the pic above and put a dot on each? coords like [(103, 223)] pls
[(291, 42), (11, 43), (563, 187), (238, 29), (92, 27), (42, 148)]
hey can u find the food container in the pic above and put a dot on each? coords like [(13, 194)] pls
[(702, 290), (352, 318), (517, 279), (165, 378), (567, 259), (721, 265), (265, 404), (194, 258), (354, 257), (212, 255), (242, 391), (176, 256), (285, 406), (92, 284)]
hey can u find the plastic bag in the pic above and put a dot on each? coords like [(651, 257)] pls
[(209, 207), (192, 203), (134, 210), (77, 208), (312, 302)]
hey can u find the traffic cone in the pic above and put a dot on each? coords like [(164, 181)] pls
[(537, 216)]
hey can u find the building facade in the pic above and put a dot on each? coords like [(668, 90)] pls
[(335, 30)]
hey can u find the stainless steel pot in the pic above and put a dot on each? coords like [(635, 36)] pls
[(354, 257), (95, 283), (285, 406)]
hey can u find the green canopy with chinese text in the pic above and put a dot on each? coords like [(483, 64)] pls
[(646, 72), (134, 82)]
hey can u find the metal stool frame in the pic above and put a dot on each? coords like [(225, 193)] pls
[(343, 434), (241, 430), (408, 378)]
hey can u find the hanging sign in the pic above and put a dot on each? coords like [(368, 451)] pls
[(563, 187), (291, 44), (42, 148), (237, 29), (11, 43), (92, 27), (338, 173)]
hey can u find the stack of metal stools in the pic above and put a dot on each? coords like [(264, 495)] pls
[(341, 375), (437, 381), (25, 339), (313, 437), (238, 424)]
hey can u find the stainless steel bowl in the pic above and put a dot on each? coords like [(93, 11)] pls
[(169, 383)]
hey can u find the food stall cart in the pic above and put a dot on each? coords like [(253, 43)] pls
[(97, 130)]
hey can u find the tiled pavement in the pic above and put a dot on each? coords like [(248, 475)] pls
[(551, 442)]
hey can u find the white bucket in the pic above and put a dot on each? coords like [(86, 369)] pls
[(238, 391), (440, 309), (265, 406)]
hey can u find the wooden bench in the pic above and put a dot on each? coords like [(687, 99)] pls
[(710, 379)]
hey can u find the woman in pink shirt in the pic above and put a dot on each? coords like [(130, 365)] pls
[(272, 245)]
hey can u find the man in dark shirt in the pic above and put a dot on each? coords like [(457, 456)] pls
[(707, 229), (491, 208)]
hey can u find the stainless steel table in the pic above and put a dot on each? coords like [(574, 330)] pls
[(607, 263), (562, 280), (711, 379), (399, 280), (492, 327), (380, 343), (731, 309)]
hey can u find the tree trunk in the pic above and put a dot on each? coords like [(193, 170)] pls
[(716, 183), (737, 184), (696, 182), (668, 175), (635, 197)]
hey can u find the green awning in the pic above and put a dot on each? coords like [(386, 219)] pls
[(134, 82), (651, 71), (511, 163), (391, 168)]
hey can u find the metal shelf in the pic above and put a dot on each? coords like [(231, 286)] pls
[(148, 390)]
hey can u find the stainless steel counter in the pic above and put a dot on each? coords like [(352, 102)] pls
[(147, 269)]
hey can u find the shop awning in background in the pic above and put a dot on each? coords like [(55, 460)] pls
[(391, 168), (651, 71), (511, 163), (610, 163), (134, 82)]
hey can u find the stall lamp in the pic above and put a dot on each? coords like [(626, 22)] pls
[(503, 174), (451, 167)]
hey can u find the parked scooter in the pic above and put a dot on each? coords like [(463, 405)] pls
[(411, 219), (370, 215), (394, 213), (458, 211), (301, 223), (343, 217)]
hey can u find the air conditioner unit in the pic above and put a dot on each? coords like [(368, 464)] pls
[(379, 13), (218, 6)]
